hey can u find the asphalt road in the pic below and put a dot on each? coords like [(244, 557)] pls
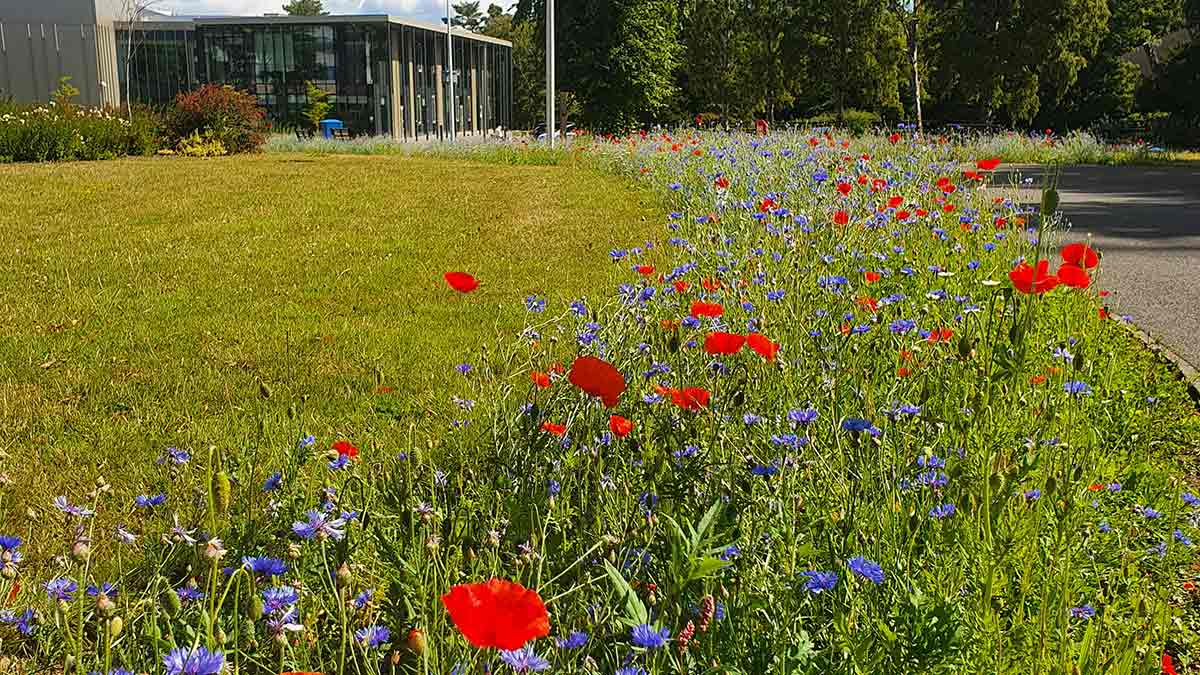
[(1145, 221)]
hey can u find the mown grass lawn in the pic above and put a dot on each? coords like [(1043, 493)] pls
[(240, 301)]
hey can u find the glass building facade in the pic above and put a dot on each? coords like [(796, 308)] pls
[(384, 76)]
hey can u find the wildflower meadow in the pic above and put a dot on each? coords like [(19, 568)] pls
[(853, 410)]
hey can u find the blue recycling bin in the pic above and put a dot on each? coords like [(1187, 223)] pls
[(327, 127)]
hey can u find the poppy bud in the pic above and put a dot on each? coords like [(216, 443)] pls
[(256, 608), (293, 552), (344, 577), (115, 626), (171, 603), (222, 636), (222, 492), (80, 551), (416, 641)]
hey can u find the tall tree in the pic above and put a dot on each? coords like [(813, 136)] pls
[(305, 8), (467, 15), (853, 49), (909, 14), (715, 60)]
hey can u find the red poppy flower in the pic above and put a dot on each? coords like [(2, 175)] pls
[(1080, 255), (645, 270), (766, 205), (947, 207), (552, 428), (763, 345), (1096, 487), (723, 343), (712, 310), (500, 614), (598, 378), (903, 371), (844, 188), (710, 284), (690, 398), (862, 180), (761, 127), (619, 426), (669, 324), (1168, 667), (988, 164), (841, 217), (1026, 281), (971, 174), (721, 182), (1102, 312), (868, 303), (894, 138), (872, 277), (895, 201), (1037, 379), (921, 213), (461, 281), (1073, 276), (346, 449), (902, 215), (1189, 586), (940, 335), (542, 380), (681, 286)]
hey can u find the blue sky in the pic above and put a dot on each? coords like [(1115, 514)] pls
[(427, 10)]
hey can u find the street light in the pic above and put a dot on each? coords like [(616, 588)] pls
[(550, 72), (449, 71)]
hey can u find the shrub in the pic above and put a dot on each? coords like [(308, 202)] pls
[(318, 104), (855, 121), (230, 116), (196, 145), (54, 133)]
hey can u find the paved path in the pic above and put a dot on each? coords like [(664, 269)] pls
[(1145, 221)]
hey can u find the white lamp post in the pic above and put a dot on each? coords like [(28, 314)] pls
[(550, 72), (449, 70)]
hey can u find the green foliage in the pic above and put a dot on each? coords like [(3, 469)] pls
[(304, 8), (219, 113), (67, 132), (318, 105), (467, 15), (195, 145), (65, 93), (857, 122)]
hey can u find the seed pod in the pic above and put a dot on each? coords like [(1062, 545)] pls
[(344, 577), (416, 641), (171, 603), (222, 492), (256, 608)]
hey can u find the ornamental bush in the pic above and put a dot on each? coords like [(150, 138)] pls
[(52, 132), (219, 113)]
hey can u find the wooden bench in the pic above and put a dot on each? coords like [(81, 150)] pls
[(304, 134), (342, 134)]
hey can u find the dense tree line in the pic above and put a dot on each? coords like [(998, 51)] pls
[(1021, 63)]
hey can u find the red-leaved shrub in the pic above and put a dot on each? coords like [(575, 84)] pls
[(221, 113)]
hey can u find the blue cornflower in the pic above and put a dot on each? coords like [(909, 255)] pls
[(750, 419), (279, 599), (183, 661), (1148, 512), (340, 463), (535, 304), (1159, 549), (731, 551), (764, 470), (189, 593), (630, 670), (942, 511), (363, 599), (859, 425), (645, 636), (175, 456), (273, 482), (524, 660), (61, 503), (265, 567), (1076, 388), (150, 501), (553, 487), (575, 640), (372, 636), (866, 569), (463, 368), (1084, 612), (23, 622), (902, 326), (306, 442), (320, 526), (1188, 498), (933, 478), (802, 416), (9, 543), (107, 588), (1182, 538), (1105, 528), (578, 308), (776, 295), (1032, 495), (61, 589), (819, 582)]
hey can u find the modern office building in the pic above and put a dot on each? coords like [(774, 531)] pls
[(385, 75)]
